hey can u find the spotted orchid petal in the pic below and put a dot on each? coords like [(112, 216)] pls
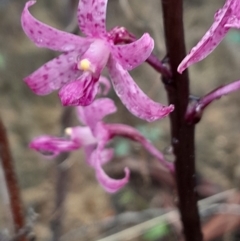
[(223, 20), (99, 156), (92, 17), (54, 74), (234, 20), (132, 55), (233, 23), (45, 36), (95, 112), (105, 156), (109, 184), (75, 138), (132, 96), (80, 92), (52, 146)]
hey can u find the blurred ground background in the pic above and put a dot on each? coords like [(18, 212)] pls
[(27, 115)]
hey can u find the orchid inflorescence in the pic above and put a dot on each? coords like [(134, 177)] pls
[(93, 136), (225, 18), (77, 75)]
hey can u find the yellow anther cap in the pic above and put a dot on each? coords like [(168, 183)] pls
[(68, 131), (84, 65)]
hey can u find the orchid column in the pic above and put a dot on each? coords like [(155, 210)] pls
[(182, 133)]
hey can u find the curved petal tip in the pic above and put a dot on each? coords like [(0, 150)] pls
[(109, 184), (135, 100)]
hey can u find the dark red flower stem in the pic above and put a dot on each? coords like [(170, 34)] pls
[(195, 111), (182, 133), (11, 182)]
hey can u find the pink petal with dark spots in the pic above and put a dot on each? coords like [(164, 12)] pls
[(95, 112), (109, 184), (52, 146), (79, 92), (92, 17), (132, 55), (105, 156), (234, 22), (99, 155), (211, 39), (138, 103), (54, 74), (45, 36)]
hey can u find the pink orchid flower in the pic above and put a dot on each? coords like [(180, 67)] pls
[(93, 138), (224, 19), (76, 72)]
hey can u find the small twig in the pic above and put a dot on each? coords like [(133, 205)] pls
[(11, 182), (224, 208), (61, 186), (23, 232), (195, 111), (62, 170), (26, 231), (225, 220), (6, 214)]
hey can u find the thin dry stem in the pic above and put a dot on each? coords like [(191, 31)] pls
[(11, 182)]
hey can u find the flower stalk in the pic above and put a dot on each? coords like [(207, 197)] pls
[(195, 111), (159, 66), (133, 134), (182, 133)]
